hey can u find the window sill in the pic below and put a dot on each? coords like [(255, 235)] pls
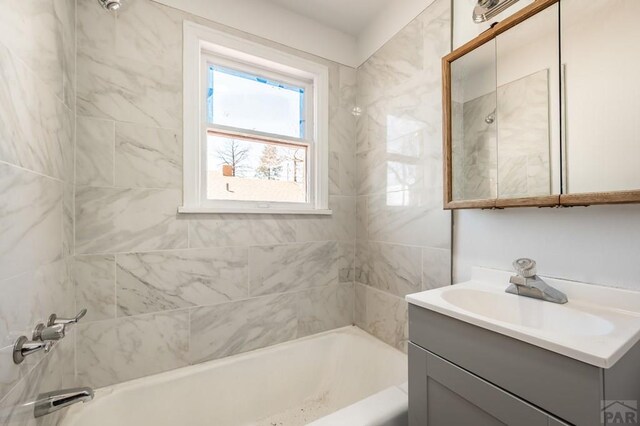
[(214, 210)]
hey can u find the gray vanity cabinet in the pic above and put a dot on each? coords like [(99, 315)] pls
[(456, 397), (461, 374), (556, 422)]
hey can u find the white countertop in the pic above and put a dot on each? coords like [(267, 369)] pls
[(598, 325)]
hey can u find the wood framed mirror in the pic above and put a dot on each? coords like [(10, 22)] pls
[(543, 109), (601, 97), (501, 103)]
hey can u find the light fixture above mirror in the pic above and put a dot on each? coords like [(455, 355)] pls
[(487, 9)]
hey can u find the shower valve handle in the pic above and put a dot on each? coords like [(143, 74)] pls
[(54, 320)]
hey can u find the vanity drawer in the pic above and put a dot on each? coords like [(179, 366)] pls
[(570, 389), (453, 396)]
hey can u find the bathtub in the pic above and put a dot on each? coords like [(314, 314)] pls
[(294, 383)]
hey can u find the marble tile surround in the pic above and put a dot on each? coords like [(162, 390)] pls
[(279, 269), (95, 141), (37, 121), (173, 288), (262, 321), (162, 281), (95, 285), (325, 308), (37, 132), (123, 348), (113, 351), (128, 219), (48, 374), (27, 299), (403, 235), (147, 157), (382, 314), (32, 217), (306, 295), (192, 287), (395, 269), (142, 271), (123, 89)]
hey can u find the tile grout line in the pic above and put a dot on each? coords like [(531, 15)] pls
[(189, 336), (195, 307), (24, 169), (75, 175), (115, 286), (113, 141), (179, 249)]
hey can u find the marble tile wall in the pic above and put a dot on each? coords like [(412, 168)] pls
[(166, 290), (37, 121), (403, 235)]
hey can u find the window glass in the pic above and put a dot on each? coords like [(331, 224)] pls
[(254, 170), (245, 101)]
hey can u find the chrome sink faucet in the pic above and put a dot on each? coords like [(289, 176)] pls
[(528, 284), (50, 402)]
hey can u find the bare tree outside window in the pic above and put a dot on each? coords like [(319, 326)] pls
[(270, 166), (295, 160), (235, 154)]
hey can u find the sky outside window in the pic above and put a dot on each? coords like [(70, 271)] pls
[(245, 101)]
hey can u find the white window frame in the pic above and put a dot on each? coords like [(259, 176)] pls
[(203, 45)]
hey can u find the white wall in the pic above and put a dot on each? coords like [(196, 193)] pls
[(597, 244), (275, 23)]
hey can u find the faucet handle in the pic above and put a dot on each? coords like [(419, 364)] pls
[(54, 320), (25, 347), (52, 332), (525, 267)]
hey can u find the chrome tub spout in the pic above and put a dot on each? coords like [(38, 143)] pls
[(51, 402)]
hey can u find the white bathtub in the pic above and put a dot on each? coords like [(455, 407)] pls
[(289, 384)]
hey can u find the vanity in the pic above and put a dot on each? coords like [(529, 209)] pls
[(540, 110), (481, 356)]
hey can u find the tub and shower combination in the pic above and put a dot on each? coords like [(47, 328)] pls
[(341, 377)]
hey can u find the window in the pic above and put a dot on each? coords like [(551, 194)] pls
[(255, 128)]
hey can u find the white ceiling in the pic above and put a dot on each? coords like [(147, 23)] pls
[(350, 16), (343, 31)]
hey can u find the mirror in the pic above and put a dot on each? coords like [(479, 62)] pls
[(505, 116), (473, 116), (543, 109), (528, 118), (601, 73)]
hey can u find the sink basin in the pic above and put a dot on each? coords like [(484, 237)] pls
[(528, 312), (597, 326)]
